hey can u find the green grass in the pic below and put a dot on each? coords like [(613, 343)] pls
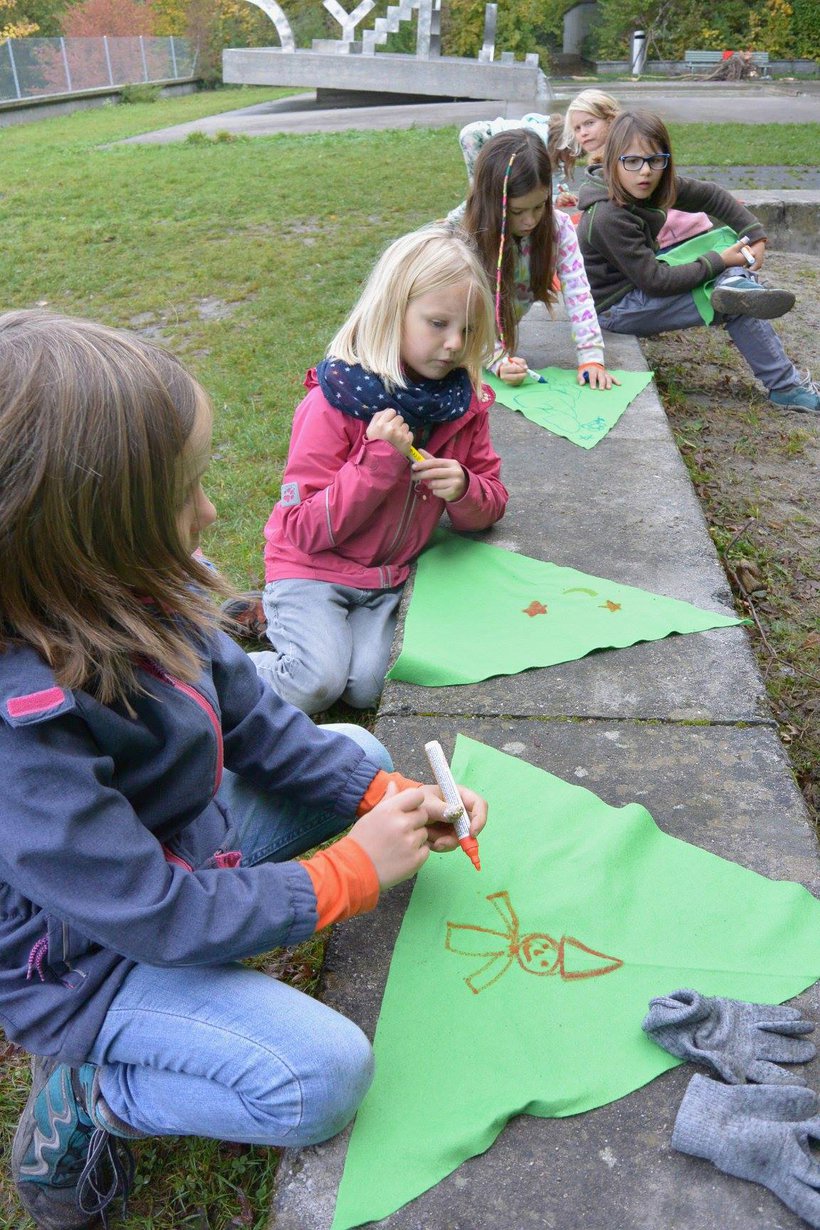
[(243, 256)]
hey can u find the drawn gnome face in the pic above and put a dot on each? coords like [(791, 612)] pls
[(536, 953)]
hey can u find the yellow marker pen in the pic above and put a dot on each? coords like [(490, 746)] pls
[(415, 455)]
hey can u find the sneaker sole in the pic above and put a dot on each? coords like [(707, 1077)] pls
[(761, 304), (793, 405)]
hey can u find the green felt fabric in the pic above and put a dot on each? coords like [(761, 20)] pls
[(455, 1062), (710, 241), (476, 611), (567, 408)]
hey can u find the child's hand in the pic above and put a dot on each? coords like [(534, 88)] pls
[(441, 836), (565, 200), (596, 377), (390, 426), (512, 369), (733, 258), (394, 834), (443, 475)]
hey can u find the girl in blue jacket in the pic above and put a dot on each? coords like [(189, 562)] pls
[(156, 794)]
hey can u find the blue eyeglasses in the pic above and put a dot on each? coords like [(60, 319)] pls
[(636, 162)]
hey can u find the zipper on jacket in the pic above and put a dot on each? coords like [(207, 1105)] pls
[(204, 704), (404, 524)]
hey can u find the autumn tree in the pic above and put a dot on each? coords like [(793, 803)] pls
[(94, 18), (13, 24)]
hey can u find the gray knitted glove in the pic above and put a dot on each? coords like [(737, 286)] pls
[(740, 1042), (759, 1132)]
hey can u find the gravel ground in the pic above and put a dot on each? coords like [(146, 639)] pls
[(755, 468)]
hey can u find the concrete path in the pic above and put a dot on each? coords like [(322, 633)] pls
[(755, 103), (681, 725)]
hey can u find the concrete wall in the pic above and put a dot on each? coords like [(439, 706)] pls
[(577, 23), (445, 76), (26, 110), (787, 68), (789, 216)]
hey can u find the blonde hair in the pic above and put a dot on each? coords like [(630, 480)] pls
[(95, 575), (592, 102), (427, 260)]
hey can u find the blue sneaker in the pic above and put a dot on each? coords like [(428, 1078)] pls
[(66, 1168), (805, 395), (741, 295)]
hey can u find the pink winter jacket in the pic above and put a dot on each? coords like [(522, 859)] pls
[(349, 512)]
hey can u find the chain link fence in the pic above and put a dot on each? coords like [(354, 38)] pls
[(36, 67)]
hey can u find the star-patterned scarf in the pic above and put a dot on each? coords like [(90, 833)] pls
[(360, 394)]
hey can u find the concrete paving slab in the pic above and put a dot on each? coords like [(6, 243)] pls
[(727, 789), (625, 510)]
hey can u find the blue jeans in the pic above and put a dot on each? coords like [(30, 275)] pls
[(228, 1052), (646, 315), (329, 641)]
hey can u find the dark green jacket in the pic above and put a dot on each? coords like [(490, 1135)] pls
[(619, 242)]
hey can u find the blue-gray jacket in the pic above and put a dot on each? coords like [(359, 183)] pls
[(90, 796)]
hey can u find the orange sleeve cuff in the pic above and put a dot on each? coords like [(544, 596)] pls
[(581, 366), (344, 880), (375, 791)]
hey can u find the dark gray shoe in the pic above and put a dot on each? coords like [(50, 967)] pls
[(66, 1168), (50, 1148), (748, 298)]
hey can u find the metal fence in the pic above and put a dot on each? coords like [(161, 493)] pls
[(34, 67)]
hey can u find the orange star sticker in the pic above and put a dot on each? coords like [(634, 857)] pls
[(535, 608), (610, 605)]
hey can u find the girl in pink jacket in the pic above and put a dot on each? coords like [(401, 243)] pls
[(393, 431)]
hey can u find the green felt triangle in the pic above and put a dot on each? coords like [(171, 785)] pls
[(684, 253), (476, 966), (567, 408), (532, 613)]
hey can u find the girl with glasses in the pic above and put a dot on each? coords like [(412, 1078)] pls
[(623, 206), (586, 127)]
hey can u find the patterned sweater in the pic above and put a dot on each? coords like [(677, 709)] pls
[(569, 267)]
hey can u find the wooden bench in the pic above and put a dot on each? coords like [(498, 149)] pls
[(709, 59)]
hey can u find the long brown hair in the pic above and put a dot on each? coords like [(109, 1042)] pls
[(95, 575), (531, 169), (653, 131)]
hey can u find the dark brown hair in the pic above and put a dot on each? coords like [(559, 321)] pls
[(530, 170), (95, 576), (651, 128)]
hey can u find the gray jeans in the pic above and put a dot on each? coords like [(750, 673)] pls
[(645, 315), (329, 641)]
